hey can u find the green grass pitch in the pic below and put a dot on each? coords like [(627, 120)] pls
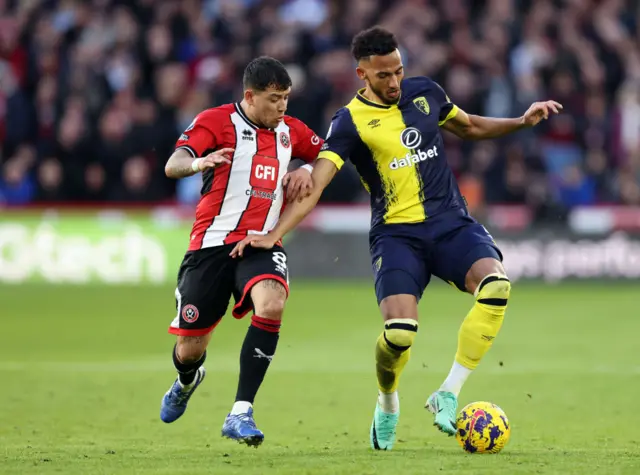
[(83, 371)]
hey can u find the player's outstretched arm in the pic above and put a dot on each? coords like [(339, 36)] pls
[(323, 172), (475, 127), (182, 164)]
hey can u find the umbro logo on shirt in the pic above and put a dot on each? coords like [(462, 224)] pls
[(374, 123), (247, 135)]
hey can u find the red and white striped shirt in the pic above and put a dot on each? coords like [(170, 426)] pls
[(245, 197)]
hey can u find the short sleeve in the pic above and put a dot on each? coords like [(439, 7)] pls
[(200, 136), (341, 138), (448, 109), (306, 144)]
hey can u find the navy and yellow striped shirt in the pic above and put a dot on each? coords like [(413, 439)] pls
[(398, 151)]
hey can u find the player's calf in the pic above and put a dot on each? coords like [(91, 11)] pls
[(189, 355), (393, 349), (188, 352), (392, 354), (258, 349), (491, 288), (483, 322), (477, 333), (261, 341)]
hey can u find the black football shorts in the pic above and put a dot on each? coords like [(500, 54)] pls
[(209, 277)]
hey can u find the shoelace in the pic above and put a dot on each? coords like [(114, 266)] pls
[(246, 419), (180, 396)]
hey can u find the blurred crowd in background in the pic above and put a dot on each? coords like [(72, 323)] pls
[(93, 94)]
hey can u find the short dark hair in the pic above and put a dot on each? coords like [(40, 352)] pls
[(375, 41), (265, 71)]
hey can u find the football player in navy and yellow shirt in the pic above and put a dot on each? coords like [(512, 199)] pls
[(420, 224)]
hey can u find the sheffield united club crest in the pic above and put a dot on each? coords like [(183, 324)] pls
[(190, 313), (284, 140)]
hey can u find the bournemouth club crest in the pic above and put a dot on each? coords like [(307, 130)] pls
[(422, 105), (284, 140)]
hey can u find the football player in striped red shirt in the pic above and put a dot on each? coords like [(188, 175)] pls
[(243, 151)]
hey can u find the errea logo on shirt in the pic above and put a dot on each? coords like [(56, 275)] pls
[(411, 159)]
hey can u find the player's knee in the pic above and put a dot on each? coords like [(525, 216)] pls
[(494, 290), (269, 297), (400, 307), (188, 355), (271, 309), (189, 351), (399, 333)]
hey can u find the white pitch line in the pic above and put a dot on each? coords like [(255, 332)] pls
[(224, 365)]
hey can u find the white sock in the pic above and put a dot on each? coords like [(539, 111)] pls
[(389, 402), (456, 378), (241, 407)]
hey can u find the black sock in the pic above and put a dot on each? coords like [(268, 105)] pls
[(187, 371), (257, 351)]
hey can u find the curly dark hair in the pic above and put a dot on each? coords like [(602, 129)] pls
[(375, 41), (265, 71)]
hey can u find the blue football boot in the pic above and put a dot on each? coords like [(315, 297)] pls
[(174, 402), (242, 428)]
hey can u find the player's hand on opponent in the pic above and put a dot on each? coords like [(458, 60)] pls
[(539, 111), (266, 241), (213, 160), (298, 184)]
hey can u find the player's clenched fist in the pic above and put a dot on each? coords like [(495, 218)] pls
[(539, 111), (213, 160)]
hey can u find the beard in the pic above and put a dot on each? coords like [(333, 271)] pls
[(381, 94)]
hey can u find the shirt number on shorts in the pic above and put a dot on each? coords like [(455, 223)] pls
[(280, 258)]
